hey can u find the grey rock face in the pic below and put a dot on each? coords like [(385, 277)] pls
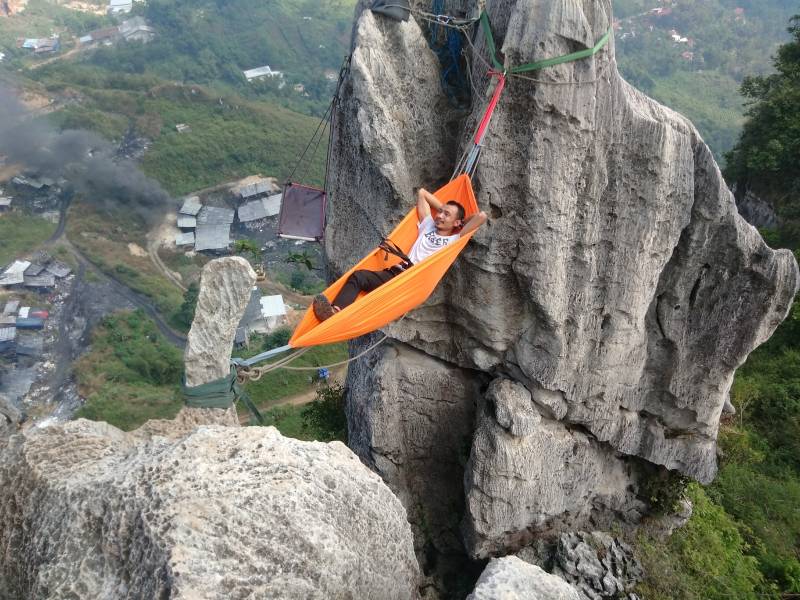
[(597, 564), (10, 417), (510, 578), (87, 511), (548, 476), (414, 435), (225, 286), (615, 279), (754, 210)]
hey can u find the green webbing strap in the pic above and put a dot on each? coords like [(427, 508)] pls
[(539, 64), (487, 32), (549, 62), (220, 393)]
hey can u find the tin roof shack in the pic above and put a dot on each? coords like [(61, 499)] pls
[(41, 283), (34, 270), (262, 315), (5, 203), (186, 222), (30, 324), (191, 206), (185, 239), (252, 211), (48, 46), (14, 274), (11, 308), (136, 30), (60, 270), (105, 36), (262, 187), (213, 229), (118, 7), (8, 339)]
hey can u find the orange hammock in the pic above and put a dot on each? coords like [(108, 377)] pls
[(398, 295)]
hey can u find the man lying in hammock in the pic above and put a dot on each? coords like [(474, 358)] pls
[(433, 235)]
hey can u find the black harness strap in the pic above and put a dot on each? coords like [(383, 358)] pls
[(390, 247)]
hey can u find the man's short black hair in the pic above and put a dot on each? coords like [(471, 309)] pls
[(461, 212)]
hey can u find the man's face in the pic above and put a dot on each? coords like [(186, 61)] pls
[(447, 219)]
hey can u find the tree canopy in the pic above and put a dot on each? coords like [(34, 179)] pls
[(765, 157)]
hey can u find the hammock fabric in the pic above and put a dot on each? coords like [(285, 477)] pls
[(400, 294)]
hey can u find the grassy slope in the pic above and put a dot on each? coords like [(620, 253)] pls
[(21, 234)]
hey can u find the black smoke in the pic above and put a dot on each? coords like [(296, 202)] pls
[(85, 160)]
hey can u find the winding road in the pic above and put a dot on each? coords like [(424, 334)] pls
[(137, 299)]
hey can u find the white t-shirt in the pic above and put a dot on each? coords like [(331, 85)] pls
[(428, 241)]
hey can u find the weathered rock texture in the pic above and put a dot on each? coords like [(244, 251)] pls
[(513, 579), (615, 279), (88, 511), (225, 286), (183, 509), (541, 472), (598, 565)]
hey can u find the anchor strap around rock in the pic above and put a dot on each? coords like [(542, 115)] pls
[(220, 393), (539, 64)]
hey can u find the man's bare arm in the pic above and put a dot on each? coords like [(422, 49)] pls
[(473, 223), (426, 201)]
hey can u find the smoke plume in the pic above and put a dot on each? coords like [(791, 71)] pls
[(84, 159)]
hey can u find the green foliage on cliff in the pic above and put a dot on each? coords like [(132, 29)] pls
[(765, 158), (719, 42)]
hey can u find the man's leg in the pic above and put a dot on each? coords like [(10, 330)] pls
[(359, 281)]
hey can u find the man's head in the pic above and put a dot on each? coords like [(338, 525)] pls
[(450, 218)]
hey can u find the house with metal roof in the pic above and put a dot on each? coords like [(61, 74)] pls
[(14, 274), (60, 270), (30, 323), (213, 228), (252, 211), (186, 222), (272, 204), (11, 308), (5, 203), (116, 7), (191, 206), (30, 345), (8, 338), (34, 270), (45, 281), (185, 239), (136, 30), (261, 72), (262, 186)]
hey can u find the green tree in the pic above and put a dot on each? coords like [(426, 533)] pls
[(185, 315), (765, 158)]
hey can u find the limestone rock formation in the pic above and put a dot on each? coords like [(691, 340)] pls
[(186, 509), (225, 286), (88, 511), (598, 565), (615, 280), (545, 477), (10, 416), (513, 579)]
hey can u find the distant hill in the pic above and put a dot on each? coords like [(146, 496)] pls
[(693, 56)]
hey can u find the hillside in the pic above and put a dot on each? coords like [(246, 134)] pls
[(693, 56)]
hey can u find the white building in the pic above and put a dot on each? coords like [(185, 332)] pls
[(119, 7), (261, 72)]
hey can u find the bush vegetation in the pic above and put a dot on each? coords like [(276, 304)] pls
[(21, 234), (131, 374)]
